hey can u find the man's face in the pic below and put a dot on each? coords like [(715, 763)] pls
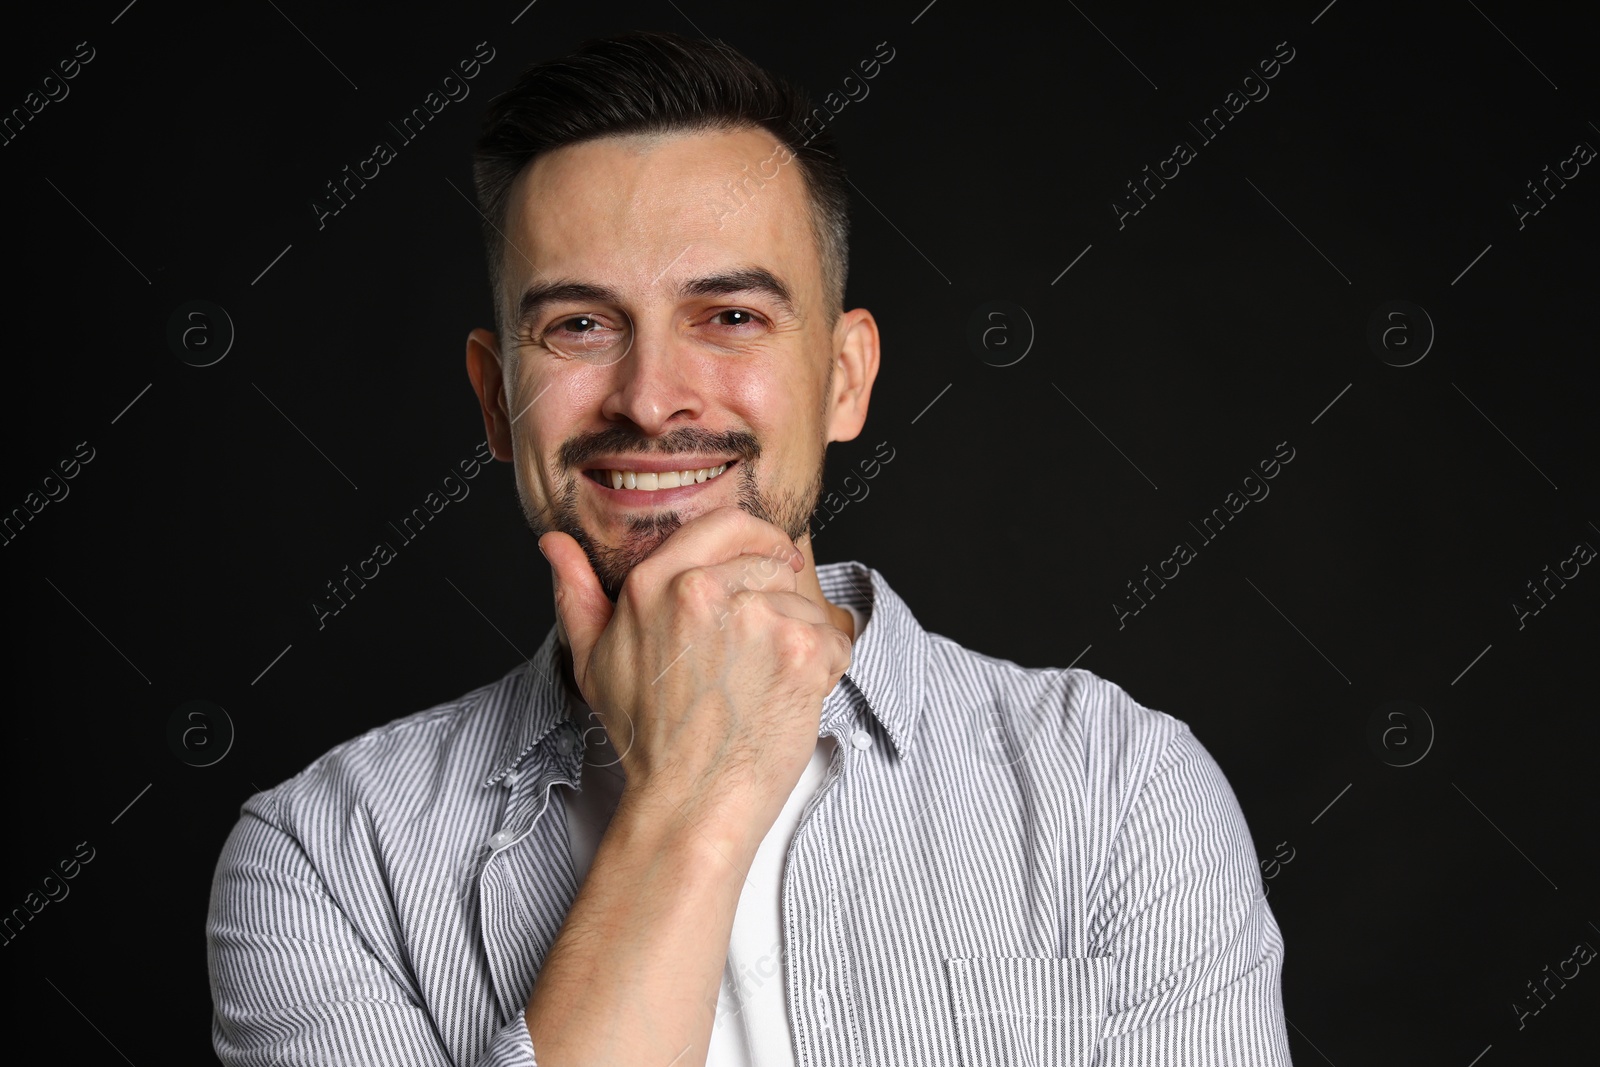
[(659, 342)]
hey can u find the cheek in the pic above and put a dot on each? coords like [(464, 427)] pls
[(771, 392), (766, 404), (547, 403), (750, 389)]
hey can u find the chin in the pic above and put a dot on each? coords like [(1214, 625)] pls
[(643, 533), (613, 563)]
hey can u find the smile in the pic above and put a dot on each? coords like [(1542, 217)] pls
[(652, 481)]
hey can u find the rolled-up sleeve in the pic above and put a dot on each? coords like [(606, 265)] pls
[(295, 984), (1198, 956)]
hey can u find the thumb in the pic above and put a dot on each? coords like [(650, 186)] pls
[(582, 607)]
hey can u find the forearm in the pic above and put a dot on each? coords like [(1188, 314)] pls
[(634, 974)]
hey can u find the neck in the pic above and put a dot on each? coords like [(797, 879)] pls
[(806, 584)]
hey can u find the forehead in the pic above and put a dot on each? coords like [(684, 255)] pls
[(637, 212)]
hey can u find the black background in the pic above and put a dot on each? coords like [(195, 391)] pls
[(1221, 320)]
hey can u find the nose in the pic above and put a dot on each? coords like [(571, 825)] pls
[(653, 383)]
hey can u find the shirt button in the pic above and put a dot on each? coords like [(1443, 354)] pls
[(511, 779), (861, 739), (566, 742), (500, 839)]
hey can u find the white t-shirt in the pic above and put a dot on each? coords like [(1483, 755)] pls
[(752, 1022)]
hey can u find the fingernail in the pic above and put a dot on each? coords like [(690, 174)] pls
[(542, 552)]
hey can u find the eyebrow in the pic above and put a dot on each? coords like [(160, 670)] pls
[(541, 295)]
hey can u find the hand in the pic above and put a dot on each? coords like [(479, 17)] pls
[(709, 672)]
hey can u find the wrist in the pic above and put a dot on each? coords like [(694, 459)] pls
[(648, 818)]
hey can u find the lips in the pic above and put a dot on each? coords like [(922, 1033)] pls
[(635, 486)]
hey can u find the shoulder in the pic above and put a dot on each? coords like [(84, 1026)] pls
[(1078, 743), (1132, 777), (403, 765), (1051, 713)]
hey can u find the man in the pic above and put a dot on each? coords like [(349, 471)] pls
[(739, 808)]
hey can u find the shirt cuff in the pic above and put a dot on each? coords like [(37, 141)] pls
[(512, 1046)]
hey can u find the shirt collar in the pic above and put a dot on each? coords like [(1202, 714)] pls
[(888, 667), (889, 660)]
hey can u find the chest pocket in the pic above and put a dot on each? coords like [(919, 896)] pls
[(1028, 1011)]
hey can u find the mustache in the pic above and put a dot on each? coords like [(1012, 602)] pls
[(617, 440)]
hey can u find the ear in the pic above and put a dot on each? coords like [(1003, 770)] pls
[(855, 368), (488, 381)]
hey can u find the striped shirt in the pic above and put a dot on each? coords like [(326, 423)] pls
[(1019, 866)]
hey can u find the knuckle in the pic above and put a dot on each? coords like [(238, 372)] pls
[(695, 588), (796, 644), (637, 581), (730, 515), (741, 599)]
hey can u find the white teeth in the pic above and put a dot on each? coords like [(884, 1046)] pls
[(649, 480)]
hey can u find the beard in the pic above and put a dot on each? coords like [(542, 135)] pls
[(788, 508)]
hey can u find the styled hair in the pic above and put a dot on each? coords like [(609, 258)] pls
[(656, 82)]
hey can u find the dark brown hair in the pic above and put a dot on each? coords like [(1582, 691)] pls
[(653, 82)]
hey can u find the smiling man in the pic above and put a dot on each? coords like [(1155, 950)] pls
[(739, 808)]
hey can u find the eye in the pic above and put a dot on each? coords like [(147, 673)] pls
[(578, 329), (587, 337), (576, 324), (736, 317)]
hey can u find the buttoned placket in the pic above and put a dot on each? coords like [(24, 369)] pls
[(819, 1003), (526, 823)]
